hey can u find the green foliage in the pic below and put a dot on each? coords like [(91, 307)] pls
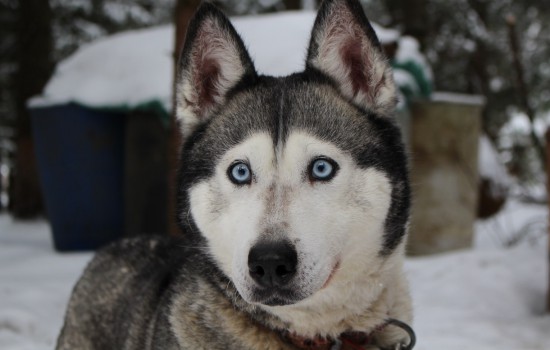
[(467, 43)]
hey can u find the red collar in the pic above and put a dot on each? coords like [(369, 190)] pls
[(346, 341), (349, 340)]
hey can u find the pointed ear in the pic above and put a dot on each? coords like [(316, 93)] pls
[(213, 61), (345, 48)]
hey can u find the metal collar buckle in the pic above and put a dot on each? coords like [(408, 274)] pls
[(337, 344), (408, 330)]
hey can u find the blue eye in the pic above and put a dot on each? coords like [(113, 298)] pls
[(322, 169), (239, 173)]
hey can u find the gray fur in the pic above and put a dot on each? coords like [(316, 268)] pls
[(169, 293), (134, 293)]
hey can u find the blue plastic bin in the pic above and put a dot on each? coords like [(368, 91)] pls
[(80, 160)]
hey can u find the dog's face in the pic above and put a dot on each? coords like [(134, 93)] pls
[(297, 184)]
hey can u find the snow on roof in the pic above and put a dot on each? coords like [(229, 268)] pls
[(136, 67), (452, 97)]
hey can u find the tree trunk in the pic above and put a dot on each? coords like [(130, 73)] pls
[(548, 189), (182, 15), (523, 90), (35, 66), (412, 15), (292, 4)]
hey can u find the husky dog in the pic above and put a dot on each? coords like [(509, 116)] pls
[(293, 199)]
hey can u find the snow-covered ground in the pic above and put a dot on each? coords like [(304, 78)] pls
[(487, 298), (35, 284)]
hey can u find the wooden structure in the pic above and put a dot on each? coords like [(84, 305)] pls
[(444, 138)]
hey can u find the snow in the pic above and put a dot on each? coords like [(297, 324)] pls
[(35, 284), (487, 298), (490, 297), (453, 97), (492, 300), (126, 69), (490, 167), (406, 79), (136, 67), (277, 43), (520, 125), (409, 50)]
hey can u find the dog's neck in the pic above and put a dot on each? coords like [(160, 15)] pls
[(363, 306), (332, 313), (348, 340), (328, 318), (355, 340)]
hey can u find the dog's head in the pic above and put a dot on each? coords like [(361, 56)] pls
[(297, 185)]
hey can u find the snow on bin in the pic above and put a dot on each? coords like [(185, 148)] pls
[(106, 104)]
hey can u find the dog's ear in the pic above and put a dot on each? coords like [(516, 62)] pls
[(213, 61), (344, 47)]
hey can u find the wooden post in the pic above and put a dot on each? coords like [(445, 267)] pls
[(523, 90), (182, 15), (292, 4), (35, 66), (548, 191)]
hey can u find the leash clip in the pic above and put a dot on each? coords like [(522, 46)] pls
[(408, 330)]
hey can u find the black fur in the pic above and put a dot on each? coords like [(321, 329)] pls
[(128, 296), (374, 141)]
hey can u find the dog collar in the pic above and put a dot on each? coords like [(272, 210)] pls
[(352, 340)]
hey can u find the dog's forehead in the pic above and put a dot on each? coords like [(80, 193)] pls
[(277, 107), (280, 106)]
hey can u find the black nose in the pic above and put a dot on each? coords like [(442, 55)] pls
[(272, 264)]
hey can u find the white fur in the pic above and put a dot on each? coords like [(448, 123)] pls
[(230, 231), (337, 223)]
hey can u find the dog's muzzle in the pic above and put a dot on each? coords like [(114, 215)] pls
[(272, 266)]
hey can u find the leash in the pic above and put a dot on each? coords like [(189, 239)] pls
[(352, 340)]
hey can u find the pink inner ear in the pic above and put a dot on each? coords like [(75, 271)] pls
[(346, 53), (205, 80), (357, 63), (361, 69)]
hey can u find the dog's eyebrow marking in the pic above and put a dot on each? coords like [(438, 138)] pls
[(280, 126)]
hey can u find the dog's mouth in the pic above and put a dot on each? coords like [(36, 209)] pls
[(332, 273), (276, 297), (286, 296)]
